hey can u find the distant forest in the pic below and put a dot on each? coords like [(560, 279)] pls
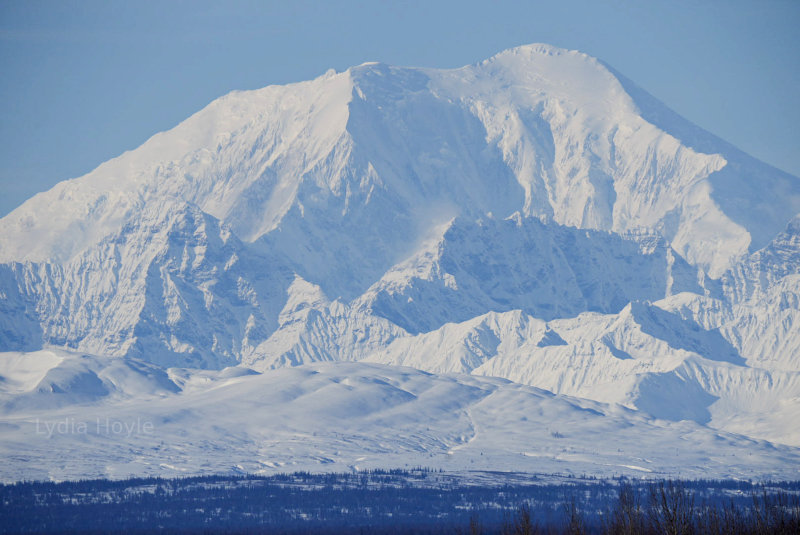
[(400, 501)]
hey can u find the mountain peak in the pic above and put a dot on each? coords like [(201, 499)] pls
[(532, 49), (547, 132)]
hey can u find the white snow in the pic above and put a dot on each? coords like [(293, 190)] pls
[(332, 417), (534, 217)]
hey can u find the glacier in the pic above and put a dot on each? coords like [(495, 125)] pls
[(533, 225)]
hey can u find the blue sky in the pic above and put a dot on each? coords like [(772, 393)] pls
[(83, 81)]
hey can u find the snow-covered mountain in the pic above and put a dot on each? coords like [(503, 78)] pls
[(534, 217)]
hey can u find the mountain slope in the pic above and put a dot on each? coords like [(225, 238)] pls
[(341, 178), (538, 129), (546, 270), (171, 286), (350, 416)]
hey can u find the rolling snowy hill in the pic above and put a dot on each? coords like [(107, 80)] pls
[(341, 417)]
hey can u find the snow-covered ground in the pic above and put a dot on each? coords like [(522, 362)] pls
[(136, 420)]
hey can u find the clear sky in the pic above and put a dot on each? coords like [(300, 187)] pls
[(83, 81)]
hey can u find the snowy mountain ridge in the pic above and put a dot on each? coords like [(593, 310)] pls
[(554, 123), (534, 217)]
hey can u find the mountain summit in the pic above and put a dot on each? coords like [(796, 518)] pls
[(547, 132)]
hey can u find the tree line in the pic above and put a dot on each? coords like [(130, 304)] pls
[(415, 501)]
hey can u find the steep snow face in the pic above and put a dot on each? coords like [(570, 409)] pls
[(765, 329), (545, 270), (240, 159), (759, 312), (172, 286), (577, 143), (760, 271), (311, 329), (739, 187)]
